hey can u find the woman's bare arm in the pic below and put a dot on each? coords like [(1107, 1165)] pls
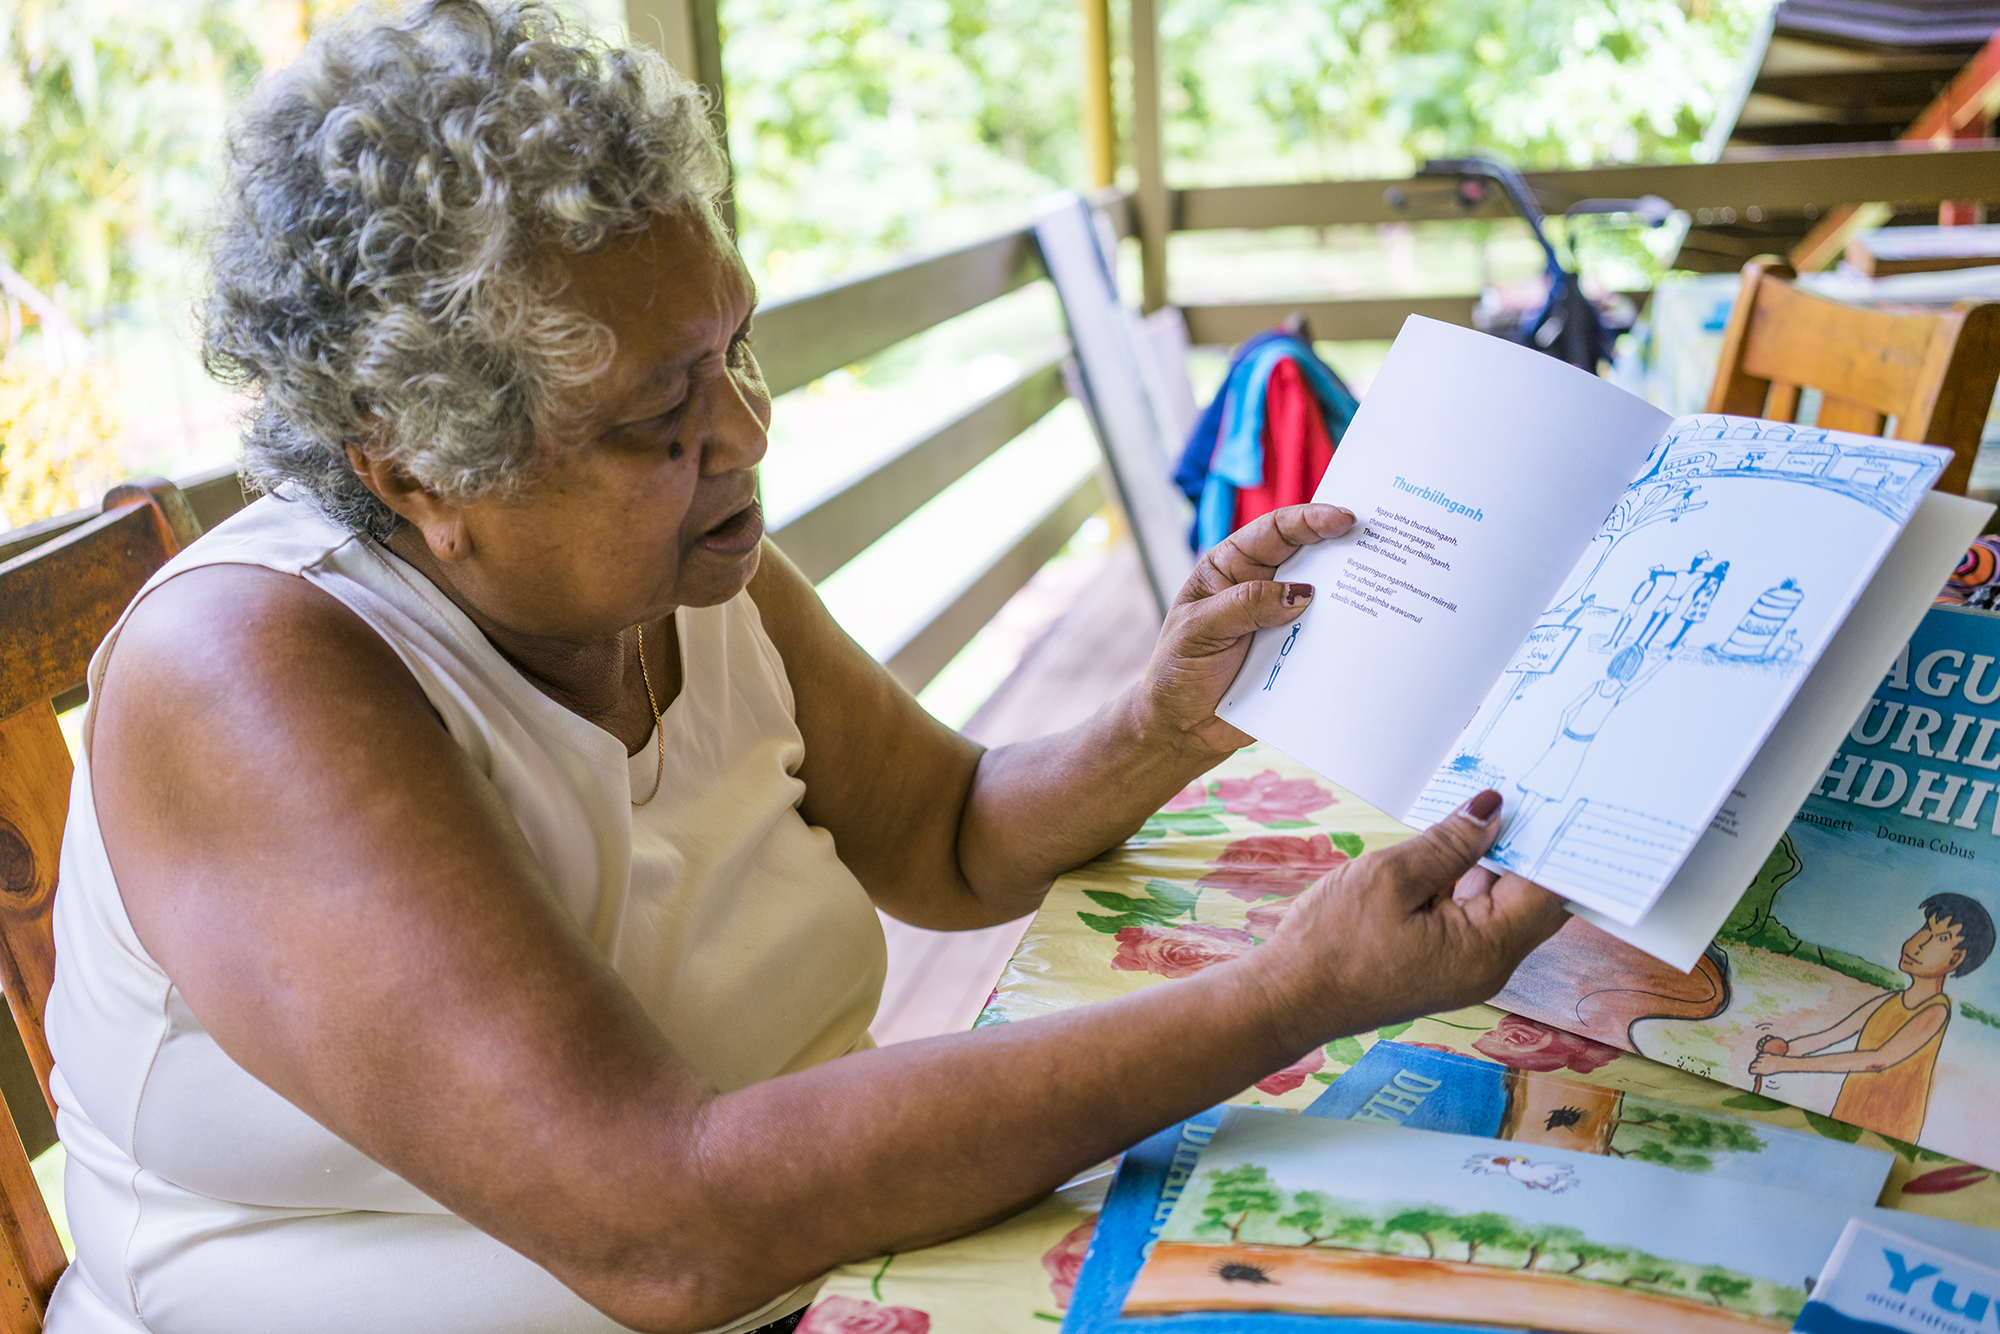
[(945, 836), (352, 913)]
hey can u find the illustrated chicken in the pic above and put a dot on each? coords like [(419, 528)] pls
[(1555, 1178)]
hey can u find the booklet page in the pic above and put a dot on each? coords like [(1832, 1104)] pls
[(1794, 758), (1653, 677), (1478, 471)]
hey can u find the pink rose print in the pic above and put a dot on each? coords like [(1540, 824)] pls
[(1292, 1075), (1064, 1259), (1192, 797), (853, 1315), (1263, 919), (1255, 868), (1177, 951), (1527, 1045), (1268, 799)]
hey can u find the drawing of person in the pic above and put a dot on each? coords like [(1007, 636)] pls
[(1682, 584), (1550, 778), (1890, 1069), (1642, 593), (1700, 601)]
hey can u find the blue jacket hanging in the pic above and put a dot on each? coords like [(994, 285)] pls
[(1225, 451)]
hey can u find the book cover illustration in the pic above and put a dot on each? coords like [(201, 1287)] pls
[(1424, 1089), (1685, 628), (1853, 979), (1308, 1215), (1152, 1176), (1880, 1282)]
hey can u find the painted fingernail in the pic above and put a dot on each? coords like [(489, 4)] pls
[(1481, 809), (1296, 594)]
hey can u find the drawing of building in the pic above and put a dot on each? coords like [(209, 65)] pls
[(1883, 477)]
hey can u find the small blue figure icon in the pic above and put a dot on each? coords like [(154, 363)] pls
[(1272, 679)]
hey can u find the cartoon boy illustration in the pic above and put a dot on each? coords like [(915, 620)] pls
[(1889, 1071)]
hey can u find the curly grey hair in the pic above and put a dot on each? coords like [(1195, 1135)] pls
[(379, 273)]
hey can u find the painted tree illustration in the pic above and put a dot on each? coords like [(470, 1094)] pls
[(1551, 1239), (1241, 1191), (1312, 1212), (1482, 1229), (1423, 1223), (1588, 1253), (1680, 1140), (1661, 1279), (1722, 1287), (1323, 1221)]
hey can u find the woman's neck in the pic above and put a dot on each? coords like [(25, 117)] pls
[(600, 681)]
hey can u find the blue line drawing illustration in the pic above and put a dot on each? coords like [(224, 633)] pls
[(1664, 592), (1756, 637), (1881, 475), (1685, 618), (1614, 850), (1550, 778), (1290, 639)]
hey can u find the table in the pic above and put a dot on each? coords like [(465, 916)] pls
[(1185, 893)]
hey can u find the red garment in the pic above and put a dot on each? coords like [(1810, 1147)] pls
[(1296, 447)]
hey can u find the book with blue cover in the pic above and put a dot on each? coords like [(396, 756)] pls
[(1878, 1281)]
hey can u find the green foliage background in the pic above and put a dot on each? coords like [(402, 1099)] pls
[(861, 128), (111, 114)]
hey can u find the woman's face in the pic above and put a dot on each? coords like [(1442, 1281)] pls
[(649, 500)]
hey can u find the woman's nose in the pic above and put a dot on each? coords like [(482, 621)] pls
[(733, 430)]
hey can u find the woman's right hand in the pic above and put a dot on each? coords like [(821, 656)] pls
[(1408, 930)]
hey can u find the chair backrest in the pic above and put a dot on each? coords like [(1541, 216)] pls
[(1932, 371), (57, 602)]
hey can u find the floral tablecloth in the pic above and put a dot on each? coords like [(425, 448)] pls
[(1207, 879)]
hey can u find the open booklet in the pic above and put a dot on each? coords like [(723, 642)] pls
[(1555, 590)]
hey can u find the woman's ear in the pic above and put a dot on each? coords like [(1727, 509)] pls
[(441, 522)]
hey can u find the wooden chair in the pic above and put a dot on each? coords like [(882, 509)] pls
[(57, 602), (1933, 372)]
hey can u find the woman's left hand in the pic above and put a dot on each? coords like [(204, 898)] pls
[(1228, 598)]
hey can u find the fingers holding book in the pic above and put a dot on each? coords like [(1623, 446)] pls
[(1418, 927)]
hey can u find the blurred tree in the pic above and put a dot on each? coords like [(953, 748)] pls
[(1268, 91), (861, 128), (110, 113), (864, 127)]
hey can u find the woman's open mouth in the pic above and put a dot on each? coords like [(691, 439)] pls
[(738, 534)]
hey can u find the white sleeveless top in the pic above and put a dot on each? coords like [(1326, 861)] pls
[(201, 1201)]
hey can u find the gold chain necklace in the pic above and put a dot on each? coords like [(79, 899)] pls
[(659, 733)]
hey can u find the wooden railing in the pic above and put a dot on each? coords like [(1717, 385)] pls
[(800, 339)]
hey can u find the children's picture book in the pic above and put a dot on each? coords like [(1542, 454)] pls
[(1880, 1282), (1556, 591), (1854, 977), (1426, 1089), (1151, 1177), (1308, 1215)]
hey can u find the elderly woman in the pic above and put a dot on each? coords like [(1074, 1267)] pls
[(467, 914)]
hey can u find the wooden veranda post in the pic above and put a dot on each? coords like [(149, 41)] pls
[(1100, 135), (1148, 155), (1962, 112), (689, 34)]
